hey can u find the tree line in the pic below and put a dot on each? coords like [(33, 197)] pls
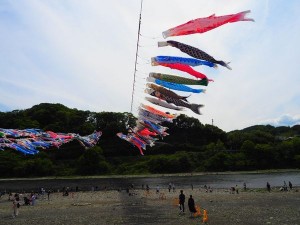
[(190, 147)]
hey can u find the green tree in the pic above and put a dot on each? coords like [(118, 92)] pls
[(235, 139), (265, 156), (248, 147), (8, 163), (93, 162), (296, 145), (285, 154), (112, 123), (216, 162)]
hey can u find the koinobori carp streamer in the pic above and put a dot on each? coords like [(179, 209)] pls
[(205, 24), (178, 79), (194, 52)]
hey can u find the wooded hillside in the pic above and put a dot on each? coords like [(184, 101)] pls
[(191, 146)]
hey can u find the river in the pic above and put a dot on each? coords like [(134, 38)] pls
[(216, 180)]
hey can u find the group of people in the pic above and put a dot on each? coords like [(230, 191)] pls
[(16, 200), (268, 186), (19, 199), (191, 203), (171, 186), (283, 188)]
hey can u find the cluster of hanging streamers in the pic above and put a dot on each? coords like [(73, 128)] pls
[(170, 92), (28, 141)]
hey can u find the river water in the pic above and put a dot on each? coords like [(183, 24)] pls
[(252, 180)]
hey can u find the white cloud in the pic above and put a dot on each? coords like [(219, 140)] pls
[(284, 120)]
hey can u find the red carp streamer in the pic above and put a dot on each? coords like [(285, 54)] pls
[(205, 24)]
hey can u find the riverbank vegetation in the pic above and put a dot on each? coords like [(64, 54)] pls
[(190, 147)]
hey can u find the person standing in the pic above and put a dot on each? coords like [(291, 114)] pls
[(16, 206), (284, 186), (268, 187), (290, 185), (32, 198), (157, 189), (181, 201), (245, 187), (170, 187), (147, 190), (48, 193), (191, 204)]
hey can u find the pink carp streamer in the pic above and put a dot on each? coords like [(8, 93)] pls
[(205, 24)]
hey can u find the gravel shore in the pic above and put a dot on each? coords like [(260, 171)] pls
[(251, 207)]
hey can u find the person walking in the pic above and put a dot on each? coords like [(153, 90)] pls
[(181, 201), (191, 204)]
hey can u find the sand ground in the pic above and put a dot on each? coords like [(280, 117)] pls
[(252, 207)]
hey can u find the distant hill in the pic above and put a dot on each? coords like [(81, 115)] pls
[(191, 145)]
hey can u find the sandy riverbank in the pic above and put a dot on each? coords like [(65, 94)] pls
[(112, 207)]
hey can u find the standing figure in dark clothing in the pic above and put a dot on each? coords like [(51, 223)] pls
[(290, 185), (191, 204), (268, 187), (181, 201), (284, 186), (48, 193)]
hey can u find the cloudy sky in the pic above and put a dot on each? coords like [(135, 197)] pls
[(82, 54)]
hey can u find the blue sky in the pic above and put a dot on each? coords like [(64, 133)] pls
[(82, 53)]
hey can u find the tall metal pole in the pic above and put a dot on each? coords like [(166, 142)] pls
[(136, 55)]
